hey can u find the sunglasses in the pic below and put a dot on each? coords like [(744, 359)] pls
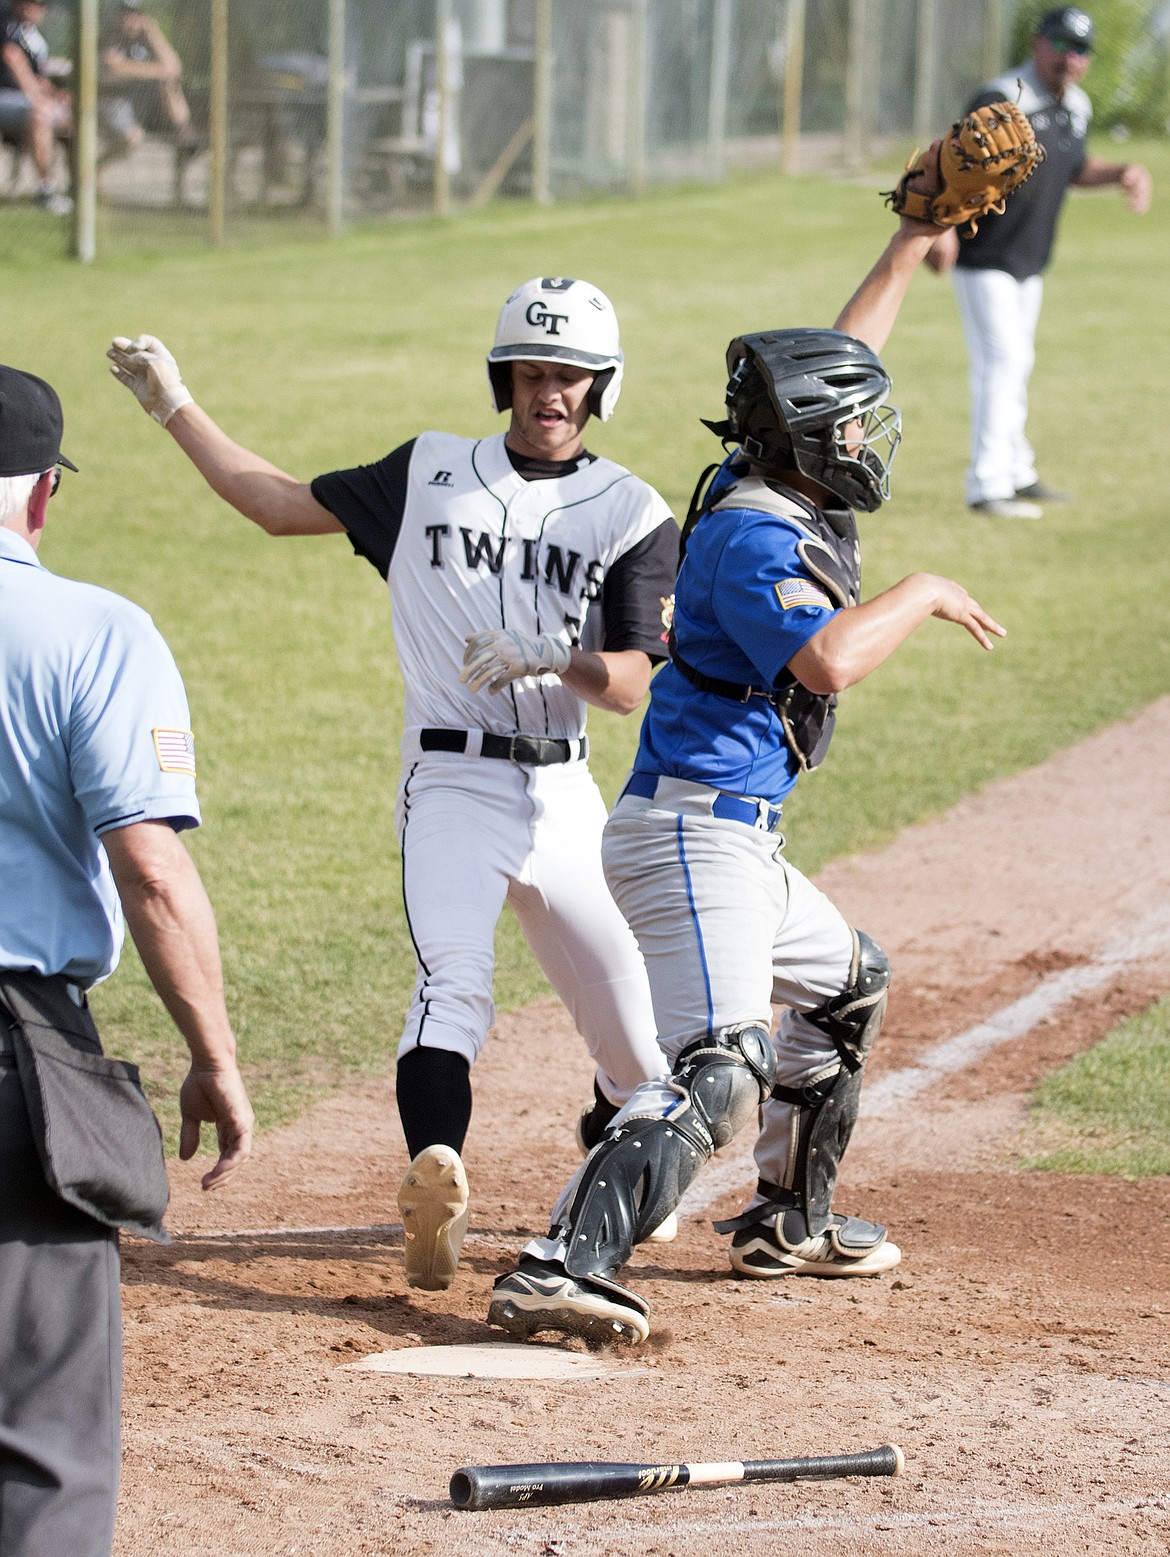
[(1063, 46), (56, 481)]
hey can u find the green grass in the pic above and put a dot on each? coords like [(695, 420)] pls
[(323, 355), (1108, 1111)]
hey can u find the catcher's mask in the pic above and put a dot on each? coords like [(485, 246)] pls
[(557, 319), (813, 401)]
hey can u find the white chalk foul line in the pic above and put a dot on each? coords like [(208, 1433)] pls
[(1033, 1516), (885, 1096)]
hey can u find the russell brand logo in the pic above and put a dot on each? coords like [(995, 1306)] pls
[(441, 478)]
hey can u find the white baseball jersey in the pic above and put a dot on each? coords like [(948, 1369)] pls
[(470, 538), (467, 545)]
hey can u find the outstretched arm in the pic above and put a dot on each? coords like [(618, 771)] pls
[(261, 491), (870, 313), (174, 929), (1135, 180), (854, 642)]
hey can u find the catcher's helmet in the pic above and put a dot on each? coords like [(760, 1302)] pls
[(557, 319), (813, 401)]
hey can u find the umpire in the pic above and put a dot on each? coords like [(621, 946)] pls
[(97, 778)]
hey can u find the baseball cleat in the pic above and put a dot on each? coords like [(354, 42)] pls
[(433, 1201), (848, 1247), (541, 1296), (1007, 508)]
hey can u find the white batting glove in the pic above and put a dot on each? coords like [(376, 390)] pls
[(145, 366), (497, 658)]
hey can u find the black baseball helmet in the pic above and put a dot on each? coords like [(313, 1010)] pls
[(813, 401)]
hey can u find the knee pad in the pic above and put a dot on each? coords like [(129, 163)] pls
[(640, 1172), (853, 1019), (725, 1081)]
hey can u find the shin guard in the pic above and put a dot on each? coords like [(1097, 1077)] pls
[(640, 1172)]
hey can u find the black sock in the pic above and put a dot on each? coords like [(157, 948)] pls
[(434, 1099), (597, 1120)]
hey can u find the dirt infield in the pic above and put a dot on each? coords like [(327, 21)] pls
[(1020, 1355)]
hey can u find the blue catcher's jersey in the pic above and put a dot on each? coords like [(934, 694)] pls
[(744, 604)]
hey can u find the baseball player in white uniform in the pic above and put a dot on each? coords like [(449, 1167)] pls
[(527, 578)]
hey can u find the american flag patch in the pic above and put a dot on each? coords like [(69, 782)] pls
[(801, 592), (175, 750)]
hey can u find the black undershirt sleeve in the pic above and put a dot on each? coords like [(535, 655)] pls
[(369, 501), (636, 587)]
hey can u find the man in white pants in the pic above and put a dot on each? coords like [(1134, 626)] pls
[(998, 273), (527, 579)]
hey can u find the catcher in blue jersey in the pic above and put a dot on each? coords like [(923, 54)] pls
[(768, 628)]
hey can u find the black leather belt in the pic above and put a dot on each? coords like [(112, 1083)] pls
[(533, 751)]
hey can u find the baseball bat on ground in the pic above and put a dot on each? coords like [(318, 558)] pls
[(580, 1481)]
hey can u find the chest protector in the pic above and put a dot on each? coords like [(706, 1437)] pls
[(829, 549)]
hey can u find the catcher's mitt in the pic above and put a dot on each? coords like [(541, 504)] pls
[(985, 157)]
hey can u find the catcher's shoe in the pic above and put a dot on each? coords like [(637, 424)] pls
[(433, 1201), (540, 1295), (1007, 508), (591, 1128), (780, 1245)]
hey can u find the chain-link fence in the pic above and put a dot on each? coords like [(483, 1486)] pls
[(201, 120)]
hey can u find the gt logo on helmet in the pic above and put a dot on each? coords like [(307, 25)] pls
[(537, 314)]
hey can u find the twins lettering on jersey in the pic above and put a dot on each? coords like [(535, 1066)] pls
[(561, 569), (479, 549)]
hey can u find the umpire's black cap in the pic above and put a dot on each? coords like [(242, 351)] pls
[(30, 425), (1069, 25)]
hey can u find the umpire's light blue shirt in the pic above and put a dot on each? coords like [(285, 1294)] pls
[(94, 734)]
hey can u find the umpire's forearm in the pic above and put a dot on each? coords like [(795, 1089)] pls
[(173, 925)]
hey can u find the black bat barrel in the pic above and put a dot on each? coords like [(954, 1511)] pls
[(573, 1481)]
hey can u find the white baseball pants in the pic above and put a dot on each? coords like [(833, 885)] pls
[(477, 832), (999, 317)]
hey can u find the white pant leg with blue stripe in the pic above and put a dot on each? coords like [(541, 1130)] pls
[(726, 927)]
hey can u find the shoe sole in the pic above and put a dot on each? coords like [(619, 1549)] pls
[(884, 1258), (433, 1201), (666, 1231), (1009, 508), (600, 1325)]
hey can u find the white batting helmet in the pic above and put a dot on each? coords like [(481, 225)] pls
[(557, 319)]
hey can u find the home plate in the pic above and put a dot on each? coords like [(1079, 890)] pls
[(492, 1360)]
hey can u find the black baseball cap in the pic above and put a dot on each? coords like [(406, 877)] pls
[(30, 425), (1067, 24)]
